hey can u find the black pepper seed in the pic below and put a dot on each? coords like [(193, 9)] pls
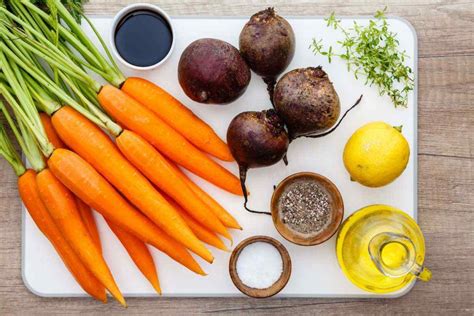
[(305, 206)]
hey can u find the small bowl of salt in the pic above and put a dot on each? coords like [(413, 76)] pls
[(260, 266)]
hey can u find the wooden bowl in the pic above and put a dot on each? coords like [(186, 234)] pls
[(278, 285), (337, 206)]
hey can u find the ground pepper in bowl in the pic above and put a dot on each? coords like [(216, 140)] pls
[(305, 207)]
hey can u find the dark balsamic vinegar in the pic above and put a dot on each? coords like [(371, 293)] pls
[(143, 38)]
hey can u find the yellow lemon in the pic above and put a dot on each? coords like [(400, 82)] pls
[(376, 154)]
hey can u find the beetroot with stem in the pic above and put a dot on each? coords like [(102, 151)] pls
[(256, 139), (267, 43), (307, 102), (212, 71)]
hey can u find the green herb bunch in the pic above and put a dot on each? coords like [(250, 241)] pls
[(373, 52)]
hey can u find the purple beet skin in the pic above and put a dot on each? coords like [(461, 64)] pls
[(212, 71)]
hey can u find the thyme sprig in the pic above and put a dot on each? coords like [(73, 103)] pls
[(372, 52)]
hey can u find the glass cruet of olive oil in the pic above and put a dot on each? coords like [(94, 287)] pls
[(381, 249)]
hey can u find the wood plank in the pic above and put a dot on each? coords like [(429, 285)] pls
[(445, 106)]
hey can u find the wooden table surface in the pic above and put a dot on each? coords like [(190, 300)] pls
[(446, 182)]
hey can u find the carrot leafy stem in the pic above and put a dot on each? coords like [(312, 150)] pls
[(372, 51), (8, 152), (24, 138)]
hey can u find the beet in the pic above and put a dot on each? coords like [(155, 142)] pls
[(212, 71), (267, 43), (256, 139), (306, 101)]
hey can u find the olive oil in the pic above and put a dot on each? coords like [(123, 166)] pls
[(381, 249)]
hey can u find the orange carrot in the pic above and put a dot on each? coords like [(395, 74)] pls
[(136, 248), (178, 116), (29, 194), (142, 121), (50, 132), (61, 204), (201, 232), (87, 184), (104, 155), (88, 218), (159, 171), (84, 210), (224, 216), (139, 253)]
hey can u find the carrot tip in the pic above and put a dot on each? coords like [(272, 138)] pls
[(220, 245), (223, 247), (103, 299), (198, 270), (157, 288), (121, 300), (209, 258), (233, 225), (228, 237)]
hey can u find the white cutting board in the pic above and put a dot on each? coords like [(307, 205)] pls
[(315, 269)]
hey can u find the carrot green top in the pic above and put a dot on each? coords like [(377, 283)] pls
[(8, 152), (67, 29), (35, 40), (26, 141)]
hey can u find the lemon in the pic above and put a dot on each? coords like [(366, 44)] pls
[(376, 154)]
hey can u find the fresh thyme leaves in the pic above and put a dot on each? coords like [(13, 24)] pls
[(372, 52)]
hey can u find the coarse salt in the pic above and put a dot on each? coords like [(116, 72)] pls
[(259, 265)]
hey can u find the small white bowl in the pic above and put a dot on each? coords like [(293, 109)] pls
[(135, 7)]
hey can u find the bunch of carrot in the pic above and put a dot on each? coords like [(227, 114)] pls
[(134, 182)]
